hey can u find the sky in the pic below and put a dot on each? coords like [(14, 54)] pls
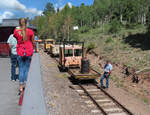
[(30, 8)]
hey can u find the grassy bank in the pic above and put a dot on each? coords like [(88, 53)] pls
[(117, 47)]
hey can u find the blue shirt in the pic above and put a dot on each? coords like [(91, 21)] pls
[(35, 38), (13, 42), (107, 67)]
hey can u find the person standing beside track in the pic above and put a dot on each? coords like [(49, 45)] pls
[(25, 44), (36, 42), (13, 56), (107, 71)]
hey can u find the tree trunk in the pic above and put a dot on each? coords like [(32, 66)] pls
[(102, 26), (56, 35), (121, 18), (68, 33), (144, 18), (129, 20), (81, 23)]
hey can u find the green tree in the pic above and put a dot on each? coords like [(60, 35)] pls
[(148, 20), (67, 28), (58, 25), (114, 26), (49, 9)]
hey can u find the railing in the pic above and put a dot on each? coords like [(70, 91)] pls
[(33, 101)]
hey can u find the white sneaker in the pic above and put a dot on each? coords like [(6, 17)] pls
[(17, 79)]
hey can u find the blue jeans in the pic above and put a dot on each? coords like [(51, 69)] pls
[(107, 80), (24, 64), (13, 60), (37, 45)]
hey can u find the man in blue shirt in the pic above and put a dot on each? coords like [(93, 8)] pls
[(12, 44), (107, 72), (36, 42)]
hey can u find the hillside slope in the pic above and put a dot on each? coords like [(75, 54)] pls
[(126, 49)]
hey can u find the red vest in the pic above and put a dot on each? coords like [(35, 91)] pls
[(24, 47)]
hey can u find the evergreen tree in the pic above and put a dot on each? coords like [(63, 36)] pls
[(49, 9)]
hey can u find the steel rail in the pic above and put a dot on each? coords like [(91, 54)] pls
[(124, 109), (99, 107)]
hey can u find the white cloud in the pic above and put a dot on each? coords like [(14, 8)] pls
[(70, 4), (33, 11), (15, 5), (61, 6), (11, 4), (7, 15), (58, 5)]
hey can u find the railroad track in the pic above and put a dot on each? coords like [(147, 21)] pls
[(98, 100)]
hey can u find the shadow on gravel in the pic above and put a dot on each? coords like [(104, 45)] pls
[(141, 40), (85, 82), (61, 69)]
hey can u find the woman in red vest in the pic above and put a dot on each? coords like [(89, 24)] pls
[(25, 43)]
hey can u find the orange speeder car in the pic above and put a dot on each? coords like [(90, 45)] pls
[(70, 54)]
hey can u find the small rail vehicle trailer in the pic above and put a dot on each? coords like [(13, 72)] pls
[(47, 44), (54, 49), (71, 58)]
